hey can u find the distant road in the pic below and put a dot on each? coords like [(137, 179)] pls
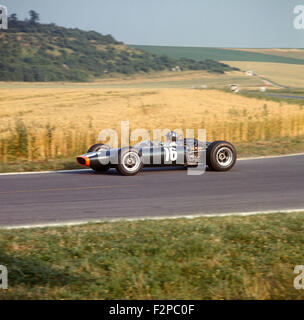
[(252, 185)]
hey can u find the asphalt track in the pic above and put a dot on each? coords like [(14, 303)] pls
[(252, 185)]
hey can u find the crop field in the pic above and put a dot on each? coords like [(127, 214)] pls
[(283, 74), (282, 66), (222, 54), (55, 123), (289, 53)]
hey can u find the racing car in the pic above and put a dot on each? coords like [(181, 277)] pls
[(175, 151)]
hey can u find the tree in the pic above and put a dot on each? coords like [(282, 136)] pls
[(13, 18), (34, 17)]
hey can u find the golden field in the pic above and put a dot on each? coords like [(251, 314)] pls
[(289, 75), (49, 123)]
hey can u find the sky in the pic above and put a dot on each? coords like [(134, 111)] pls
[(205, 23)]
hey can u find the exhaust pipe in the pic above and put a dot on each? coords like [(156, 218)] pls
[(83, 161)]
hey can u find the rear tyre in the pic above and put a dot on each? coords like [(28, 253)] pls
[(129, 162), (221, 156), (98, 167)]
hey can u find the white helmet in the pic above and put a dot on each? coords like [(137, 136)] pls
[(171, 136)]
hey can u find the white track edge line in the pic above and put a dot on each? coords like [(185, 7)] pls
[(44, 172), (271, 157), (88, 170), (193, 216)]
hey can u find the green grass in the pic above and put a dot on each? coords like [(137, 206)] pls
[(205, 258), (218, 54), (283, 146), (28, 166), (216, 82)]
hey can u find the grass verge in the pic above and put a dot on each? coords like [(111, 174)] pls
[(50, 165), (205, 258), (282, 146), (276, 96)]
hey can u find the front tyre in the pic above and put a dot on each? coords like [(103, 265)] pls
[(221, 156), (97, 147), (129, 162)]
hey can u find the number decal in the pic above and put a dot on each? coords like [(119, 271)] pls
[(170, 154)]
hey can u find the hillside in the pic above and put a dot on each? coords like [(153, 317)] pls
[(30, 51), (288, 56)]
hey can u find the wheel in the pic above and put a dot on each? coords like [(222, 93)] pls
[(129, 162), (98, 167), (96, 147), (221, 156)]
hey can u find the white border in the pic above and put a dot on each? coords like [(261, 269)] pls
[(193, 216), (44, 172), (272, 157)]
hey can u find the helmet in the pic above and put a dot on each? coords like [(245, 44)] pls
[(171, 136)]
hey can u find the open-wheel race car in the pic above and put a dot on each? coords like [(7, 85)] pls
[(187, 152)]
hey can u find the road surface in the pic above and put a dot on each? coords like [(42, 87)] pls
[(252, 185)]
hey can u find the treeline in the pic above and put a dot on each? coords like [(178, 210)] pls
[(31, 51)]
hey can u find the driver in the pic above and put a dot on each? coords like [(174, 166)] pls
[(171, 139)]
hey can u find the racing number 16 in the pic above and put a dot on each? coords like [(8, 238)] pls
[(170, 154)]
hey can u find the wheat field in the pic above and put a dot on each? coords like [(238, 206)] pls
[(289, 75), (40, 124)]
